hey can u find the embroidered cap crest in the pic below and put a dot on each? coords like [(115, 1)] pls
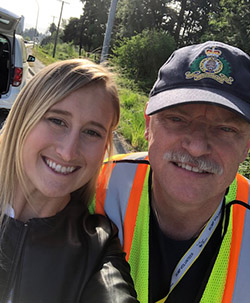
[(210, 66)]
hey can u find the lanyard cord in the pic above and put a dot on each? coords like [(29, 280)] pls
[(225, 216), (196, 249), (198, 246)]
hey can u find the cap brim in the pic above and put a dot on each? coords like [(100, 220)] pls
[(179, 96)]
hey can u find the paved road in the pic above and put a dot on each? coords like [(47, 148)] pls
[(34, 68)]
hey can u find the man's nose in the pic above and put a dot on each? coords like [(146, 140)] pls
[(68, 148), (196, 140)]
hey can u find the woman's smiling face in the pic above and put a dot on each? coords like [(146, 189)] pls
[(66, 147)]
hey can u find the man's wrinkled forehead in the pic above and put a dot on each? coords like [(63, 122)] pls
[(217, 111)]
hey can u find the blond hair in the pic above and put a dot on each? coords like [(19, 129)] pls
[(52, 84)]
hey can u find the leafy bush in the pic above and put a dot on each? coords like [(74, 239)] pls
[(141, 56), (244, 168)]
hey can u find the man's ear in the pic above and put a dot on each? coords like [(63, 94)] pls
[(147, 120), (245, 153)]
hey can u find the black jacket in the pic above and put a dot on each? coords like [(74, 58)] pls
[(71, 257)]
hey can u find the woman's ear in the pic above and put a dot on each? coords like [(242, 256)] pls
[(147, 120)]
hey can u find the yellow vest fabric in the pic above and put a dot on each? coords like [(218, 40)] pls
[(126, 202)]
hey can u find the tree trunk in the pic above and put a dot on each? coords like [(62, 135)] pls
[(180, 21)]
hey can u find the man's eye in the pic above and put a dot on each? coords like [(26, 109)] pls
[(56, 121), (92, 133), (175, 119), (227, 129)]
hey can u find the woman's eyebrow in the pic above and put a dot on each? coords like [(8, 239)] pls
[(59, 111)]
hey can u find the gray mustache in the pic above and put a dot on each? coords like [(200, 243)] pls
[(202, 163)]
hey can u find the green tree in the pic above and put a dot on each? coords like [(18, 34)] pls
[(185, 20), (71, 31), (51, 38), (191, 19), (52, 28), (93, 23), (134, 16), (140, 56), (30, 33), (88, 30), (231, 24)]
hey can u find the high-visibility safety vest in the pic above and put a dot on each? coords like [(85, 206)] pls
[(126, 202)]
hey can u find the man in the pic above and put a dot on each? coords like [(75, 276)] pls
[(182, 210)]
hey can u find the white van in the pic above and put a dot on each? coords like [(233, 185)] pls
[(13, 59)]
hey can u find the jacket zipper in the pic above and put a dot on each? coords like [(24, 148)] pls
[(16, 260)]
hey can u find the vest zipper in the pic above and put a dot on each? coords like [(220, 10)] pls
[(16, 260)]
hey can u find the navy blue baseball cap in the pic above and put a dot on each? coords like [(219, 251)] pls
[(211, 72)]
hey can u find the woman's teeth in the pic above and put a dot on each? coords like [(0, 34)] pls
[(59, 168)]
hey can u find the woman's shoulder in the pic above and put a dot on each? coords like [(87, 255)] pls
[(98, 224)]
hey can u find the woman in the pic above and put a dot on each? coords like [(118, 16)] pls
[(52, 146)]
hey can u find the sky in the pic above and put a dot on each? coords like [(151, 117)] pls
[(42, 12)]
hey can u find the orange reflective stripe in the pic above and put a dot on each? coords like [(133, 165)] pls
[(132, 208), (101, 188), (101, 191), (238, 224)]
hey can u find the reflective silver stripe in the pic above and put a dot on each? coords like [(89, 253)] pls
[(241, 292), (119, 188), (118, 193)]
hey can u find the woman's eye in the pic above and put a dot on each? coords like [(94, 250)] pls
[(56, 121), (92, 133)]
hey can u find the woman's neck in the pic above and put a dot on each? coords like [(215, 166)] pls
[(37, 206)]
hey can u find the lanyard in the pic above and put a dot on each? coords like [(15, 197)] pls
[(194, 251)]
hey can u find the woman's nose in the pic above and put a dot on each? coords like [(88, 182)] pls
[(68, 148)]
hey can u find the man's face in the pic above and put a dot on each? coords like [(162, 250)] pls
[(195, 151)]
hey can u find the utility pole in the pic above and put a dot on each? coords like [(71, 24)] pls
[(58, 26), (53, 19), (106, 42), (37, 16)]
